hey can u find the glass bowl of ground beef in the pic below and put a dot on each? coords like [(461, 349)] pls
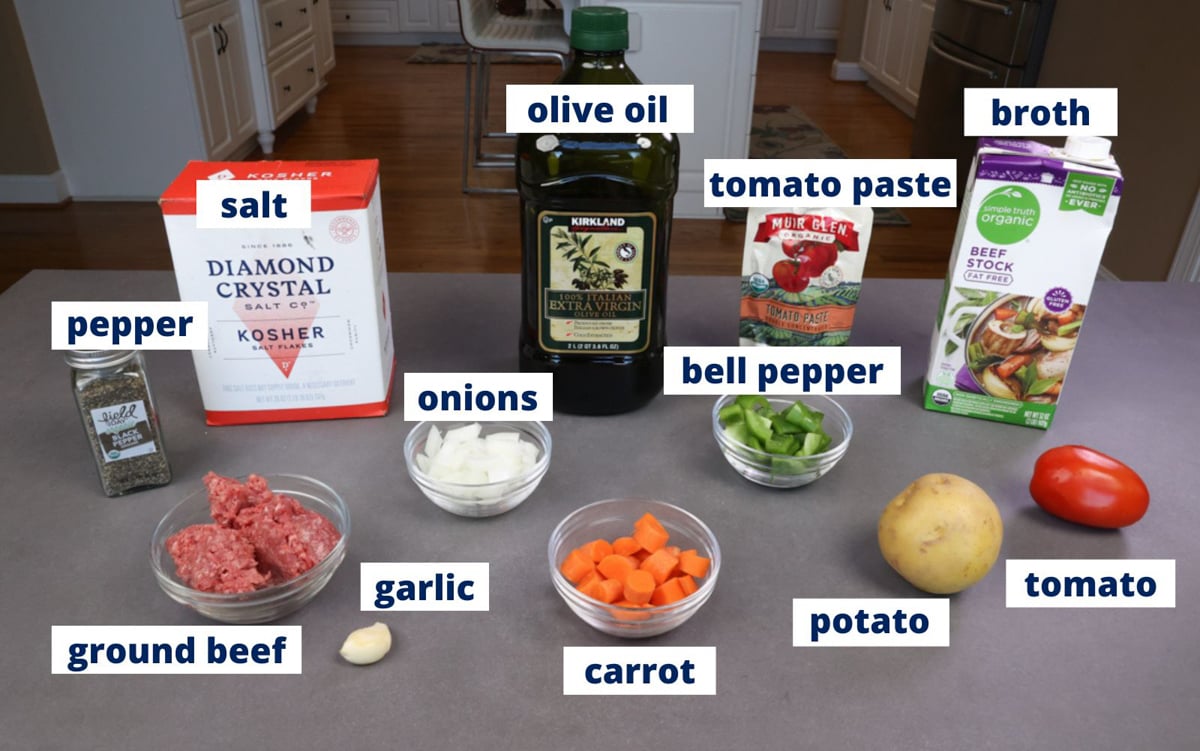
[(251, 549)]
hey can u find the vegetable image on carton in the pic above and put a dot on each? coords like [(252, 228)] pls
[(299, 319), (1029, 242)]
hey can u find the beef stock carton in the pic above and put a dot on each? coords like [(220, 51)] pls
[(299, 319), (1030, 237)]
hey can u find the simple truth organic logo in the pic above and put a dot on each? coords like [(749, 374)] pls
[(1008, 215)]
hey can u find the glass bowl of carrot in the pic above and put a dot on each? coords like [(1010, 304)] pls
[(634, 568)]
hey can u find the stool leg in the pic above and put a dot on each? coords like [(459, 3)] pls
[(466, 154), (481, 94)]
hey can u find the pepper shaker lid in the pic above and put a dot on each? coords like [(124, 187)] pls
[(91, 359)]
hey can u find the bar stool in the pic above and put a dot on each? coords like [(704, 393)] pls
[(537, 33)]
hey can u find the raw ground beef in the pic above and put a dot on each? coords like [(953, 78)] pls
[(288, 538), (215, 559), (226, 497), (259, 538)]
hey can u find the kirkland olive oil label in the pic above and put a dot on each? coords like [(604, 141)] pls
[(124, 431), (594, 273)]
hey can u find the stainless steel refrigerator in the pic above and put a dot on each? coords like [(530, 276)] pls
[(974, 43)]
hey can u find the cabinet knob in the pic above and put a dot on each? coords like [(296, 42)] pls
[(311, 69), (347, 16), (287, 87), (304, 10), (279, 24)]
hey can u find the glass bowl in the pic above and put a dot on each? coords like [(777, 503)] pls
[(486, 499), (776, 471), (614, 518), (262, 605)]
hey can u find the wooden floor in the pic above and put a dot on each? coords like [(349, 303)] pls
[(410, 117)]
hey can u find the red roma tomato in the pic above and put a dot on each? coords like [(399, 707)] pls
[(790, 276), (1084, 486)]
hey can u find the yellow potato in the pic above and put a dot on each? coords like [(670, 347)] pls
[(942, 533)]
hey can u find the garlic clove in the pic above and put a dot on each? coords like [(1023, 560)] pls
[(367, 645)]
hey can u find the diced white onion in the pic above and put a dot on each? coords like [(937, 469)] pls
[(464, 457)]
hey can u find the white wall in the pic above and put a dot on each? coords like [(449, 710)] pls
[(116, 86)]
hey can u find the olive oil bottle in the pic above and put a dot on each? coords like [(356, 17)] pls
[(595, 227)]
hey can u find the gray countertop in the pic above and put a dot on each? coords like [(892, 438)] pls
[(1011, 679)]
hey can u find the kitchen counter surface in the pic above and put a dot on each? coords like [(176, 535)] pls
[(1069, 679)]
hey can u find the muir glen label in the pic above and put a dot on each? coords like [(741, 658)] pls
[(593, 273)]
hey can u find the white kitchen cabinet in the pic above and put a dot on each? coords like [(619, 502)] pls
[(133, 90), (712, 44), (285, 60), (365, 16), (921, 25), (323, 35), (430, 15), (419, 15), (217, 53), (801, 19), (448, 15), (895, 38)]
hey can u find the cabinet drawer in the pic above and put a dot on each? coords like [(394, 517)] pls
[(283, 22), (188, 7), (366, 16), (293, 80)]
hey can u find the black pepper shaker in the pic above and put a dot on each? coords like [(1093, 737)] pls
[(119, 417)]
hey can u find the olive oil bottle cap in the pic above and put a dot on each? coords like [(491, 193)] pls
[(599, 29)]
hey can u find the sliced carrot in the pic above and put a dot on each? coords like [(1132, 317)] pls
[(651, 536), (577, 565), (1003, 314), (673, 550), (691, 562), (593, 588), (649, 519), (598, 549), (660, 564), (687, 584), (1012, 365), (640, 556), (616, 567), (625, 546), (666, 593), (628, 604), (588, 578), (639, 586), (611, 590), (1065, 318)]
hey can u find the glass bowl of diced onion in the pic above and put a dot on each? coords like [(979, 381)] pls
[(477, 469)]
